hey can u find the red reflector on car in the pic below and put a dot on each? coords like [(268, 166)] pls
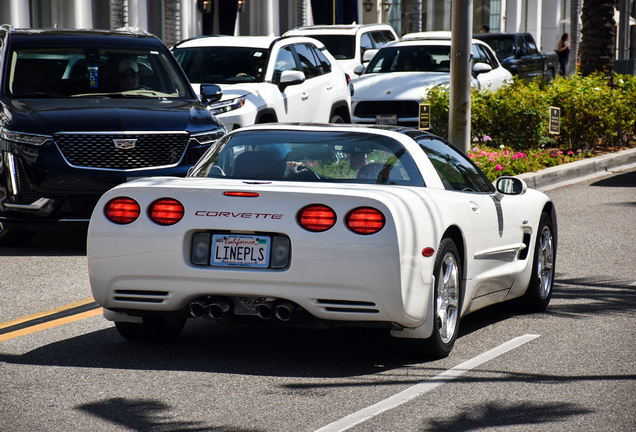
[(365, 220), (428, 252), (122, 210), (166, 211), (317, 218), (242, 194)]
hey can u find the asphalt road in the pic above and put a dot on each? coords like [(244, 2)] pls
[(573, 369)]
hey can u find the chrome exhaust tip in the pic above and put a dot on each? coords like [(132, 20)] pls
[(284, 311), (265, 311), (198, 308), (218, 309)]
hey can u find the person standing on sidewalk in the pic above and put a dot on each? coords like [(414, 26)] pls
[(563, 51)]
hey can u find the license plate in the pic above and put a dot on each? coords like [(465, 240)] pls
[(240, 250), (386, 119)]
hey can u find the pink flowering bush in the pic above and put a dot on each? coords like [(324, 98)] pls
[(497, 162)]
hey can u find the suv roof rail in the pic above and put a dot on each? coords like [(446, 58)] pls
[(133, 29)]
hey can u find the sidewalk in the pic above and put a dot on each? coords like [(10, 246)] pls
[(561, 175)]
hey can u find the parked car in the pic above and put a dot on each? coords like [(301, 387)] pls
[(518, 53), (348, 43), (397, 79), (268, 79), (82, 111), (331, 225)]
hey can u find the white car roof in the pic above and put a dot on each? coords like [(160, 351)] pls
[(428, 35), (342, 29)]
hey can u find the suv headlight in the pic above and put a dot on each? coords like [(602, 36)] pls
[(228, 105), (24, 138), (207, 138)]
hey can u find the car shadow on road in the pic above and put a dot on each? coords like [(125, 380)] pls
[(54, 241), (627, 179)]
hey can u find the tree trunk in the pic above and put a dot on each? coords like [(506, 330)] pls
[(598, 36)]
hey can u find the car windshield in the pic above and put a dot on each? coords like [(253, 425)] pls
[(91, 71), (424, 58), (223, 65), (309, 156), (504, 47), (342, 47)]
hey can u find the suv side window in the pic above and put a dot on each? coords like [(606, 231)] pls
[(378, 39), (285, 60), (365, 44), (388, 36), (456, 171), (324, 61), (311, 66)]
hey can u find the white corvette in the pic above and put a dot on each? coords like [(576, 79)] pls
[(337, 225)]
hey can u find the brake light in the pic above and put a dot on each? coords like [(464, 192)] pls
[(317, 218), (166, 211), (242, 194), (122, 210), (365, 220)]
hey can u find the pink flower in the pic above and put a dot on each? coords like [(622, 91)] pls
[(470, 155), (506, 152), (475, 149), (560, 152), (498, 167), (570, 153), (487, 138), (553, 155), (483, 152)]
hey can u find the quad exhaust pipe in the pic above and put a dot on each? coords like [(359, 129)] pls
[(217, 309)]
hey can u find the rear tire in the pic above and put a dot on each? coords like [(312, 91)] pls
[(153, 329), (448, 279), (539, 291)]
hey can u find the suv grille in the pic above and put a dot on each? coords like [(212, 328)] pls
[(98, 150), (369, 109)]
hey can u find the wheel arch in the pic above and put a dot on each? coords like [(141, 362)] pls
[(267, 115), (342, 109), (454, 233)]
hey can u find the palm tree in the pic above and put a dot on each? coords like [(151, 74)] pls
[(598, 36)]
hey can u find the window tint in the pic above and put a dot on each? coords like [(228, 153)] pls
[(532, 48), (378, 39), (324, 62), (311, 67), (456, 171), (335, 157), (365, 44), (388, 36), (340, 46), (284, 61), (223, 65)]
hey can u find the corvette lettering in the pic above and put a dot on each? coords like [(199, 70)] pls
[(238, 215)]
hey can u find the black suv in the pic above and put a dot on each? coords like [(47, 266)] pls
[(82, 111)]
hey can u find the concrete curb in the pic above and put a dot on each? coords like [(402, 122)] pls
[(565, 174)]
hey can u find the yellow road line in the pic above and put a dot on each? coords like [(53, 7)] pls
[(45, 313), (50, 324)]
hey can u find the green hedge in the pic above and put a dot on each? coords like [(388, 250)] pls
[(596, 112)]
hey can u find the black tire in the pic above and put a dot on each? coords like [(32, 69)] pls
[(15, 237), (539, 291), (447, 308), (153, 329), (337, 119)]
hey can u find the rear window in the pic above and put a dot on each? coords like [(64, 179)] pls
[(337, 157)]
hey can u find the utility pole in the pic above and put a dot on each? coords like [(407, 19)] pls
[(460, 74)]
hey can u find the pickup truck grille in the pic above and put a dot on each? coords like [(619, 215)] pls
[(90, 150), (369, 109)]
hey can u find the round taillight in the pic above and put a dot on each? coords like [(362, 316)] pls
[(122, 210), (317, 218), (365, 220), (166, 211)]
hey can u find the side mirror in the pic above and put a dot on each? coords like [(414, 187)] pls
[(506, 185), (368, 55), (210, 93), (359, 70), (480, 68), (290, 77)]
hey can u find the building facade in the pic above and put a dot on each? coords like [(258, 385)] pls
[(174, 20)]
